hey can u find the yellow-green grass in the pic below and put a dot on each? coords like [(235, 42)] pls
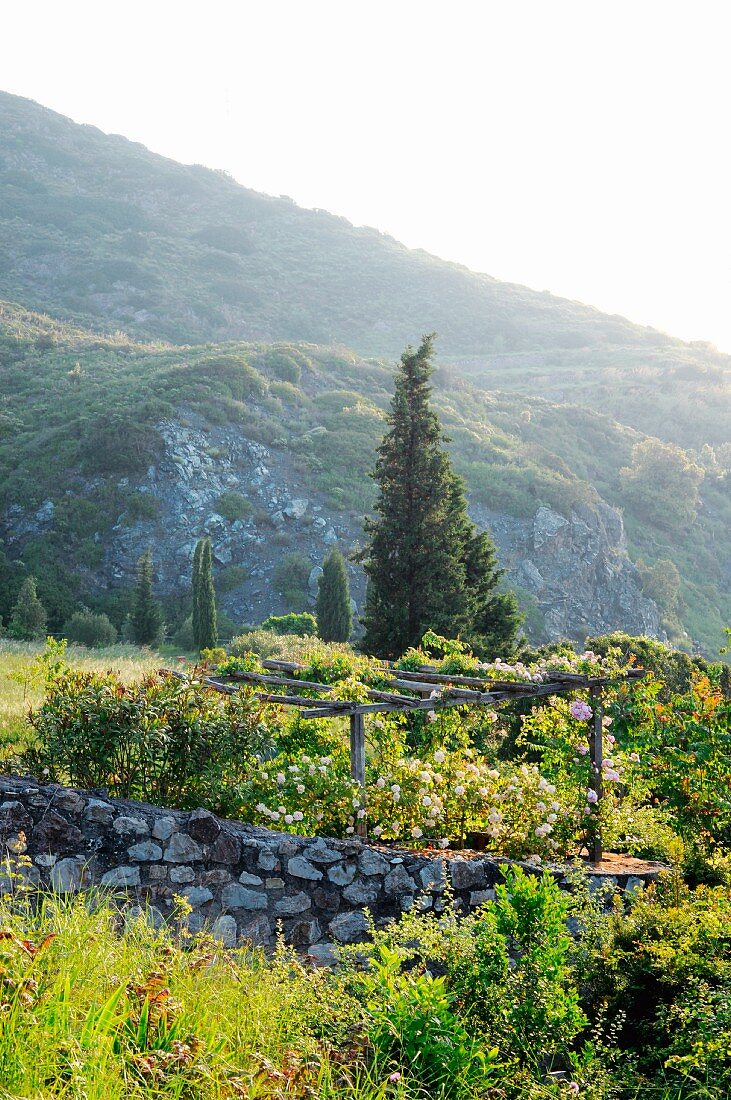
[(21, 686), (98, 1008)]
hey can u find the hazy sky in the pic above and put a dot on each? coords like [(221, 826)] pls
[(579, 146)]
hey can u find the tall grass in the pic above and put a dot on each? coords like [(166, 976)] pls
[(21, 686)]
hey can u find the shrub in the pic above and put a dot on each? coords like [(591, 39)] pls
[(233, 506), (302, 624), (86, 628), (290, 578), (165, 740)]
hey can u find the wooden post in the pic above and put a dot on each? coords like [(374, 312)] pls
[(597, 755), (358, 763)]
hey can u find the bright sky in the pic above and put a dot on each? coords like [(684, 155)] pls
[(578, 146)]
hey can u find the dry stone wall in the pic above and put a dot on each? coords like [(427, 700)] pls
[(239, 880)]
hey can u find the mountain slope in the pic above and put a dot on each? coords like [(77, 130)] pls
[(107, 446), (544, 399), (98, 227)]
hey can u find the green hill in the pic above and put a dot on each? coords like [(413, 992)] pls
[(544, 398)]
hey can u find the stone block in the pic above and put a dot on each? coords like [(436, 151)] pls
[(342, 875), (145, 851), (467, 874), (182, 873), (164, 828), (136, 825), (122, 876), (182, 849), (362, 893), (299, 867), (250, 880), (373, 863), (398, 882), (197, 895), (294, 903), (203, 826), (234, 896), (349, 927), (226, 848), (66, 876), (224, 930)]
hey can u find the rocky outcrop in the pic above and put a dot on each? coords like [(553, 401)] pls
[(239, 881), (574, 570)]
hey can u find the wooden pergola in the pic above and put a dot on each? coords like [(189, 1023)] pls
[(427, 689)]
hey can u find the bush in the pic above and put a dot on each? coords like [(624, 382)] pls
[(86, 628), (233, 506), (302, 624), (290, 578), (165, 740)]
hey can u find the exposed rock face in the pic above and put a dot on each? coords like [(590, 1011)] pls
[(317, 888), (576, 569)]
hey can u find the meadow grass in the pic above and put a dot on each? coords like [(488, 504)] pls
[(21, 686)]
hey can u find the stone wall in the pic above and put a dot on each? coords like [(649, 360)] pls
[(239, 880)]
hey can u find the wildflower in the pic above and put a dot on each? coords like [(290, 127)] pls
[(298, 815), (380, 782), (634, 756), (261, 808), (426, 800), (282, 809), (312, 770), (592, 796), (395, 1077), (459, 790), (281, 779), (580, 710), (300, 788), (552, 818), (440, 756), (288, 818), (274, 815), (395, 788), (541, 807), (416, 832), (361, 813), (378, 830)]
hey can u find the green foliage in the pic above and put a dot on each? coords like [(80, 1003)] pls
[(302, 624), (332, 607), (28, 616), (165, 740), (147, 624), (661, 484), (290, 578), (233, 506), (205, 627), (411, 1023), (89, 629), (427, 566)]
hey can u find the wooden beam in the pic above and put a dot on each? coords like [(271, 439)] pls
[(358, 763), (596, 736)]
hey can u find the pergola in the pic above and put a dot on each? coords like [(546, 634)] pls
[(425, 689)]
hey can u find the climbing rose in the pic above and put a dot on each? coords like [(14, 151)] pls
[(580, 710)]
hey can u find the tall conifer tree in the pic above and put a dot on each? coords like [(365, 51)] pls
[(332, 608), (28, 617), (146, 614), (427, 567), (207, 625), (195, 582)]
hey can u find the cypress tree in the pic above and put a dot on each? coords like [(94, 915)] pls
[(195, 580), (146, 614), (332, 608), (28, 617), (207, 625), (427, 567)]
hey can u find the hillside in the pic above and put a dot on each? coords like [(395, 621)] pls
[(203, 282), (110, 445)]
